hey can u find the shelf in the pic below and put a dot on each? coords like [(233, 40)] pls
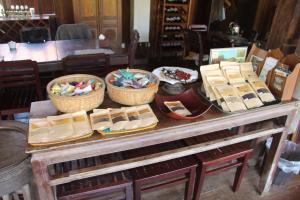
[(174, 23), (176, 4)]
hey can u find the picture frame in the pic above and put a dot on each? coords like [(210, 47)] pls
[(232, 54)]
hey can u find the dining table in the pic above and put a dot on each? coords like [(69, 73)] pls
[(269, 121), (50, 53)]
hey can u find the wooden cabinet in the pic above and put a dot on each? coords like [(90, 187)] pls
[(176, 16), (104, 16)]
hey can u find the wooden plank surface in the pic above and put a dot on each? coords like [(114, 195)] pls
[(167, 130)]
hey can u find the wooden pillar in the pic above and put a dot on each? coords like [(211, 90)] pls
[(297, 52)]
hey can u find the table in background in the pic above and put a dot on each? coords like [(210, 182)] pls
[(49, 54), (167, 130)]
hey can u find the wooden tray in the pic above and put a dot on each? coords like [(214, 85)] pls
[(127, 131), (61, 141)]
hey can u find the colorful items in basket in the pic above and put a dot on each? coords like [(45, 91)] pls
[(127, 79), (57, 129), (174, 75), (125, 119), (235, 86), (75, 88)]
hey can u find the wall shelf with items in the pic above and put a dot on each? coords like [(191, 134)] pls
[(175, 17)]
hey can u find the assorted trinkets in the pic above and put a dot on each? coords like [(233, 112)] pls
[(175, 75), (75, 88), (127, 79)]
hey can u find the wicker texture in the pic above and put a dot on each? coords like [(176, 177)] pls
[(129, 96), (77, 103)]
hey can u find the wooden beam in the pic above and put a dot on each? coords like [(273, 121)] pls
[(160, 157)]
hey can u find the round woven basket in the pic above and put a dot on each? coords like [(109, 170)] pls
[(77, 103), (130, 96)]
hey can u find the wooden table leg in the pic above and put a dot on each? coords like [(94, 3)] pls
[(41, 177), (273, 157)]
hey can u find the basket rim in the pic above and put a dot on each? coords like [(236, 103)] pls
[(78, 76), (130, 89)]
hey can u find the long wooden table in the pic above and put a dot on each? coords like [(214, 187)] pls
[(167, 130), (54, 51)]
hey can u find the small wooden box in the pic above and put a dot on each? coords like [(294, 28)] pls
[(290, 81)]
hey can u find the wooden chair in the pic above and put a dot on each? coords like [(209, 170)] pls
[(224, 156), (19, 86), (73, 31), (134, 40), (193, 46), (165, 174), (95, 64), (111, 186)]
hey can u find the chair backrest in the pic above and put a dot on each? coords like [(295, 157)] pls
[(18, 74), (95, 64), (73, 31), (193, 42), (34, 34), (134, 40)]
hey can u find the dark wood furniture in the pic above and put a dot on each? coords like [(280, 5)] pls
[(95, 64), (52, 52), (167, 130), (175, 16), (225, 157), (13, 25), (20, 86), (112, 186), (103, 16), (165, 174), (193, 46)]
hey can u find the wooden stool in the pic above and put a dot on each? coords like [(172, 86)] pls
[(165, 174), (239, 152), (110, 186), (15, 171)]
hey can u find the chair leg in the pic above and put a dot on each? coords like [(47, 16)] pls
[(137, 191), (199, 181), (129, 192), (190, 184), (240, 172)]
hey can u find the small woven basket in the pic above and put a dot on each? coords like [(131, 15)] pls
[(85, 102), (130, 96)]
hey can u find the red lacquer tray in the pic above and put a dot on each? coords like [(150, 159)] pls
[(196, 104)]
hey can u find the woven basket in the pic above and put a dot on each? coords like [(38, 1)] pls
[(77, 103), (130, 96)]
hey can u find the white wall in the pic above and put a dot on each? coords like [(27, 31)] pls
[(141, 18)]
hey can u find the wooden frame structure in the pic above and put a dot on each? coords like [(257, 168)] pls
[(167, 130)]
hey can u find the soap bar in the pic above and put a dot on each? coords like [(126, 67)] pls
[(248, 95), (177, 107), (262, 91), (101, 119)]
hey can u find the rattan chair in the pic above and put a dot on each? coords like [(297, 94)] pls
[(15, 171)]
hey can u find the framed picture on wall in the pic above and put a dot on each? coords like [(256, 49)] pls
[(232, 54)]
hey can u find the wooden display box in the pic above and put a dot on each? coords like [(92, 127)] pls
[(289, 82)]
